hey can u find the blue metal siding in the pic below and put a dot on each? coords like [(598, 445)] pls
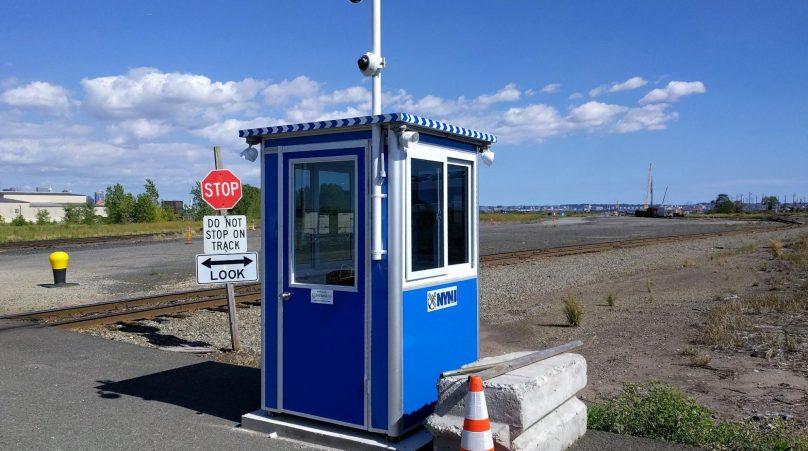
[(378, 330), (435, 342), (269, 242), (317, 139), (446, 142)]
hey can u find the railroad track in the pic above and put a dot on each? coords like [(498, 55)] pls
[(146, 307), (507, 258), (46, 244), (133, 309)]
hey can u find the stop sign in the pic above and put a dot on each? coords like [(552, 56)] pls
[(221, 189)]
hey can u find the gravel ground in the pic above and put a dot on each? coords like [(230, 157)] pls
[(507, 293)]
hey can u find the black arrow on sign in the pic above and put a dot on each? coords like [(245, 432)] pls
[(244, 261)]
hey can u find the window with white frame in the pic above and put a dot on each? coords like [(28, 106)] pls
[(439, 231)]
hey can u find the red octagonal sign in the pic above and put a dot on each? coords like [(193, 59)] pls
[(221, 189)]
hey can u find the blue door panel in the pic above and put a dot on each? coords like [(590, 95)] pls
[(323, 373)]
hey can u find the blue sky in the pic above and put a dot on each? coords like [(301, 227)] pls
[(582, 94)]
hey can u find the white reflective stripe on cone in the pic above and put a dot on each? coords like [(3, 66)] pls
[(476, 441), (476, 409)]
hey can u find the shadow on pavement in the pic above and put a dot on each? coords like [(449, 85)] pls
[(212, 388)]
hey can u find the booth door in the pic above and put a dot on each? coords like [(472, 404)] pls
[(323, 290)]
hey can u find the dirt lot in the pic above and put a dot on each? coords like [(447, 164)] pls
[(706, 320), (721, 318)]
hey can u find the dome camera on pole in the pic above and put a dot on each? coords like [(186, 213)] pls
[(370, 64)]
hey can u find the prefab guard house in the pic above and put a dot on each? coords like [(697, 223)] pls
[(370, 264)]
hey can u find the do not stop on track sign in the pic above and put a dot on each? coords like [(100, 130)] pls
[(221, 189)]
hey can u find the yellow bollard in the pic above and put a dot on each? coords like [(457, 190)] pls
[(58, 261), (188, 236)]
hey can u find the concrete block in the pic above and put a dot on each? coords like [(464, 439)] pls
[(557, 431), (446, 432), (522, 397)]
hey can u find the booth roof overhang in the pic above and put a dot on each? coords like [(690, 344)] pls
[(403, 118)]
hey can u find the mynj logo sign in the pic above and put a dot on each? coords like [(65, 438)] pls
[(440, 299)]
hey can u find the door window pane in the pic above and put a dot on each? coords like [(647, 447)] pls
[(426, 180), (457, 193), (324, 228)]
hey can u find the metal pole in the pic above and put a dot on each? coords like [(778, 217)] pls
[(235, 337), (377, 50), (376, 137)]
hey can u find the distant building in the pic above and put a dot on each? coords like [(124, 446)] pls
[(28, 204), (99, 199), (175, 205)]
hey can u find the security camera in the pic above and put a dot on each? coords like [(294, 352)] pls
[(370, 64), (356, 1)]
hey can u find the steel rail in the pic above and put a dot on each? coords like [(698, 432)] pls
[(145, 307)]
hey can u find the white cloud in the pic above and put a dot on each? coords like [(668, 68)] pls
[(298, 88), (225, 133), (673, 91), (551, 88), (631, 83), (593, 114), (575, 96), (135, 130), (507, 94), (180, 99), (649, 117), (38, 96)]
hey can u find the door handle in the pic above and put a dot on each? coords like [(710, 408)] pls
[(286, 295)]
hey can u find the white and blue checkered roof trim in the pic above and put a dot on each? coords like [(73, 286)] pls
[(365, 120)]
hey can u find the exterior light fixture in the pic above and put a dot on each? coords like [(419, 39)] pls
[(250, 153)]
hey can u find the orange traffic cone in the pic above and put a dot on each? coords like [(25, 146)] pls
[(476, 434)]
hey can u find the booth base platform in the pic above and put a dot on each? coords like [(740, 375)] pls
[(330, 435)]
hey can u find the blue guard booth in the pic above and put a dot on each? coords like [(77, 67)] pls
[(370, 266)]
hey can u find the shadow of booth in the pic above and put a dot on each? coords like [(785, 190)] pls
[(212, 388)]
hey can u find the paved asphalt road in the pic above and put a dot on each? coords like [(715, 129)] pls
[(66, 391)]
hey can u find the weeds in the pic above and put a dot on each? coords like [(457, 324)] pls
[(611, 300), (777, 248), (648, 286), (791, 343), (572, 310), (722, 326), (688, 263), (700, 360), (663, 412)]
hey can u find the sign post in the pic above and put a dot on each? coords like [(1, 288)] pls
[(219, 190)]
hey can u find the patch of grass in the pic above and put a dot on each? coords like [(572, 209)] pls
[(776, 247), (648, 286), (663, 412), (791, 343), (722, 326), (611, 299), (701, 360), (689, 263), (768, 303), (36, 232), (573, 310)]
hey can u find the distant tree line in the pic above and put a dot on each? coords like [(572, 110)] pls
[(723, 204), (124, 207)]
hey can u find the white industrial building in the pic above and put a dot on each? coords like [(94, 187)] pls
[(28, 204)]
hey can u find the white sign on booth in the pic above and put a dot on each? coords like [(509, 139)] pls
[(225, 234)]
